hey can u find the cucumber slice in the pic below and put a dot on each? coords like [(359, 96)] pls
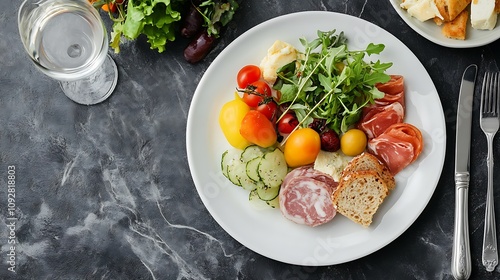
[(249, 184), (268, 193), (256, 202), (253, 168), (253, 195), (234, 172), (272, 168), (251, 152), (228, 158), (274, 203)]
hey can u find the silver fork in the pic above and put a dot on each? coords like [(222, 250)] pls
[(490, 122)]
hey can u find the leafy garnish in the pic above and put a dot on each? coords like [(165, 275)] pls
[(216, 14), (332, 83), (159, 20)]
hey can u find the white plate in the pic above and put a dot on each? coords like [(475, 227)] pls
[(432, 32), (266, 231)]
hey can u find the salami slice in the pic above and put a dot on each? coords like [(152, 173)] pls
[(305, 200), (394, 91), (305, 196), (377, 119), (398, 146), (308, 171)]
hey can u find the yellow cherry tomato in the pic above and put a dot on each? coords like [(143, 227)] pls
[(302, 147), (353, 142), (230, 117)]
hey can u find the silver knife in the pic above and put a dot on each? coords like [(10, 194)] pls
[(460, 258)]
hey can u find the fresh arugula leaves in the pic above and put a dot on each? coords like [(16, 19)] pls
[(331, 82)]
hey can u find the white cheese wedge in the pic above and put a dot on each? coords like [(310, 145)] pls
[(278, 55), (482, 14), (331, 163), (421, 9)]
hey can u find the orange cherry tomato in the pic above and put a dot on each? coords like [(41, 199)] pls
[(353, 142), (258, 129), (302, 147)]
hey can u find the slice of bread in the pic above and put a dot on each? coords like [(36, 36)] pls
[(450, 9), (359, 196), (457, 28), (367, 161)]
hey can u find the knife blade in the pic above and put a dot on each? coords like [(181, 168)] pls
[(461, 259)]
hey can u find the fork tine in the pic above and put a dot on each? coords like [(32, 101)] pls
[(484, 91), (495, 94), (490, 94)]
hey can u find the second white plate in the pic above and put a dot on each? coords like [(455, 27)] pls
[(432, 32)]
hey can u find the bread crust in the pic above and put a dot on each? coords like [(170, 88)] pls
[(359, 196), (457, 28), (450, 9), (367, 161)]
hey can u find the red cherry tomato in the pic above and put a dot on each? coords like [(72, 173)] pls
[(287, 123), (256, 92), (247, 75), (269, 110)]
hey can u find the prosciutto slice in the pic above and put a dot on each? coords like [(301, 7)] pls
[(393, 91), (386, 111), (399, 146), (305, 196), (377, 119)]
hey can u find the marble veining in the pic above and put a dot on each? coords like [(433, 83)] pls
[(105, 192)]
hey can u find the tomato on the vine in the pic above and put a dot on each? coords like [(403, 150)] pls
[(287, 123), (255, 93), (247, 75), (269, 109)]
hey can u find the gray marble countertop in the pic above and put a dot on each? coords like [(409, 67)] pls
[(105, 191)]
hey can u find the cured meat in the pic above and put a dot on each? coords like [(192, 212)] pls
[(394, 91), (305, 196), (308, 171), (408, 133), (398, 146), (395, 154), (387, 110), (377, 119)]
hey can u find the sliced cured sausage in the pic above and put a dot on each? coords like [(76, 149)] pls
[(394, 91), (307, 201), (398, 146), (305, 196), (308, 171), (375, 120)]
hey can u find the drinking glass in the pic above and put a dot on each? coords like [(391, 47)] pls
[(67, 41)]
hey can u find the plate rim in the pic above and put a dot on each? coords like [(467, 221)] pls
[(189, 137)]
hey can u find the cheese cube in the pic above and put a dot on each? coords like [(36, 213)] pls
[(483, 15), (421, 9), (278, 55)]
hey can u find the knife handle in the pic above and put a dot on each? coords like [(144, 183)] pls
[(460, 258)]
